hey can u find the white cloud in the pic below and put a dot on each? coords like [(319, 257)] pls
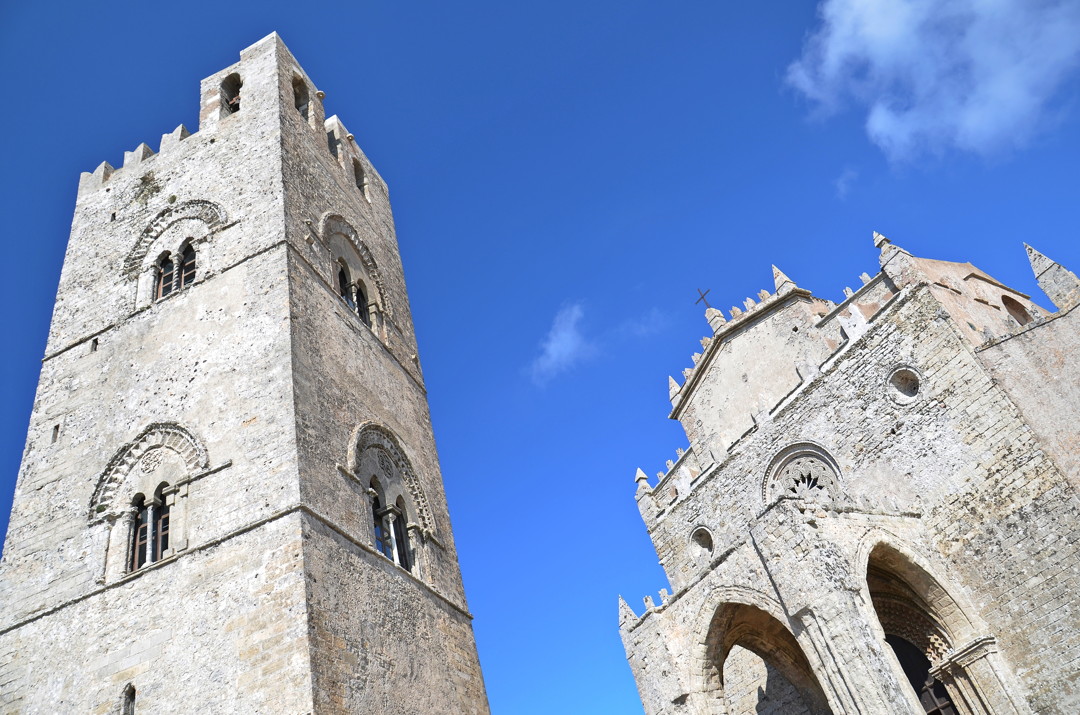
[(843, 182), (973, 75), (564, 346)]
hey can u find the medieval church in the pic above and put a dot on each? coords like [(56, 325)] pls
[(879, 508), (230, 482)]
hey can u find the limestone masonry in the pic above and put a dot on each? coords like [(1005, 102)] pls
[(878, 511), (230, 499)]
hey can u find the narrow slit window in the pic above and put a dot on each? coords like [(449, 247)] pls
[(360, 177), (55, 433), (94, 345), (128, 707), (187, 268), (161, 531), (400, 538), (362, 304)]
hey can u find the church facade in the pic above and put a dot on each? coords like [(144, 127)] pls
[(879, 508), (230, 498)]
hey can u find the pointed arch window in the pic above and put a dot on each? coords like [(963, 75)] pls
[(383, 538), (345, 287)]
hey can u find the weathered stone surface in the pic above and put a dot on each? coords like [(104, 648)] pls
[(264, 409), (904, 464)]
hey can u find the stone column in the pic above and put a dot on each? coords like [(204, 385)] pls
[(978, 681)]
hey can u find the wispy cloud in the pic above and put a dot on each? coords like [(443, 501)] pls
[(564, 346), (843, 183), (933, 75), (649, 323)]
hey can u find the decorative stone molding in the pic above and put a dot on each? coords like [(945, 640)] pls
[(331, 224), (373, 435), (207, 212), (803, 470), (156, 436)]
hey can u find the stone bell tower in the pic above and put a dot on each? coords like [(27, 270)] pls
[(230, 498)]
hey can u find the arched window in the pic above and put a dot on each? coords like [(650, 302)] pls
[(165, 275), (345, 287), (150, 530), (230, 93), (300, 96), (401, 539), (187, 268), (127, 701), (362, 304), (383, 543), (1016, 310)]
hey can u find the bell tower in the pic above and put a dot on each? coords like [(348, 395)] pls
[(230, 498)]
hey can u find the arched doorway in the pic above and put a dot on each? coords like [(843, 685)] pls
[(755, 665)]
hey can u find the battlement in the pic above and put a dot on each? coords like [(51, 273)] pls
[(251, 97)]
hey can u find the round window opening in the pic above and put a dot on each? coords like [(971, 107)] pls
[(702, 541), (905, 384)]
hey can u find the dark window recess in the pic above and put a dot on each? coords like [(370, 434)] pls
[(55, 433), (360, 177), (932, 694), (331, 142), (94, 345), (187, 268), (362, 305), (402, 542), (300, 96), (112, 216), (129, 701), (230, 93), (345, 288)]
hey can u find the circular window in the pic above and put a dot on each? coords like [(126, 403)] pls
[(904, 384), (702, 543)]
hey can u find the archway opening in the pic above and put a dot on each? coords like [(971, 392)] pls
[(756, 665), (910, 606)]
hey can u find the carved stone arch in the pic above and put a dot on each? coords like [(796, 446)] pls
[(206, 212), (331, 224), (156, 436), (372, 435), (754, 621), (802, 469)]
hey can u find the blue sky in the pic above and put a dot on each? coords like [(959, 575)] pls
[(565, 176)]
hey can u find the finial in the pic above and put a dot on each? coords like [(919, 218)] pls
[(848, 292), (735, 312), (672, 387), (865, 277), (715, 318), (749, 304), (640, 477), (763, 295), (782, 282), (880, 241), (626, 614)]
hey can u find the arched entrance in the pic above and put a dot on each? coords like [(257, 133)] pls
[(755, 665), (951, 667)]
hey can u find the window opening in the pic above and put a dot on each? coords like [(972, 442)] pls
[(230, 93), (187, 268), (344, 287), (94, 345), (300, 96), (331, 142), (382, 538), (161, 531), (128, 707), (401, 539), (360, 177), (140, 535), (1016, 310), (362, 304), (112, 216), (55, 433), (164, 277), (932, 694)]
